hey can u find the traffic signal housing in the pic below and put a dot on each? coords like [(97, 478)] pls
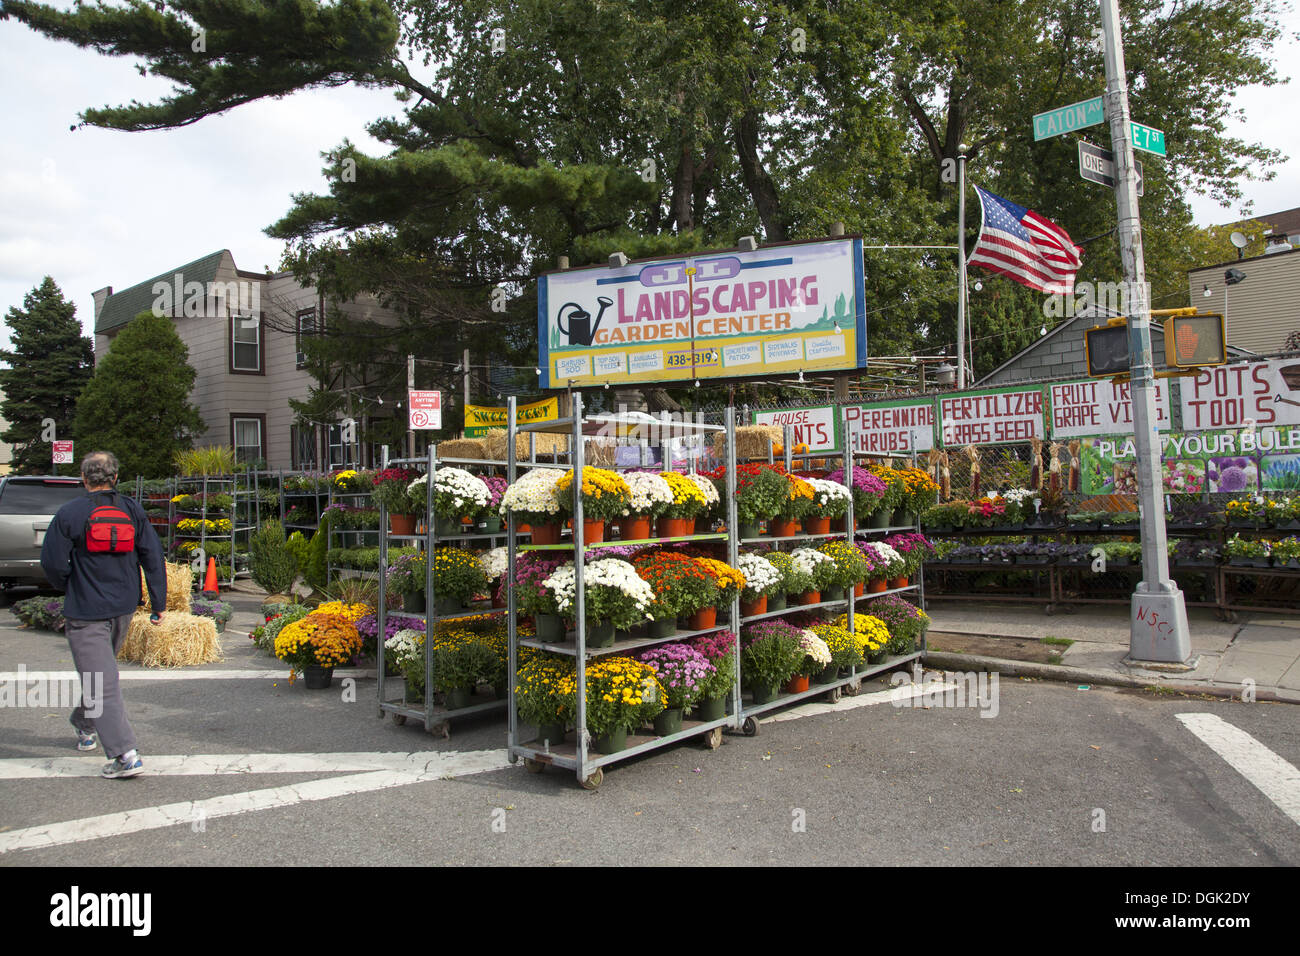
[(1194, 341), (1106, 349)]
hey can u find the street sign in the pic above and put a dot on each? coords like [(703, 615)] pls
[(1147, 138), (424, 408), (62, 452), (1097, 165), (1066, 119)]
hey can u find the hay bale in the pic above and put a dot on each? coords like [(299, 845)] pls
[(600, 454), (180, 584), (752, 441), (496, 444), (179, 640), (462, 448)]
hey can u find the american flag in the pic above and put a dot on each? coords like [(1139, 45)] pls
[(1024, 246)]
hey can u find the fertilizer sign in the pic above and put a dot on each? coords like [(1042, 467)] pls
[(776, 310), (1231, 396), (1093, 407), (1228, 462), (992, 418)]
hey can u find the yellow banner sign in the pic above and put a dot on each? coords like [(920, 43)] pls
[(479, 419)]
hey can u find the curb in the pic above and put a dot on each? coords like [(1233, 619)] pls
[(1057, 672)]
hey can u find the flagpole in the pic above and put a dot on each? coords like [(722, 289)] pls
[(1157, 615), (961, 270)]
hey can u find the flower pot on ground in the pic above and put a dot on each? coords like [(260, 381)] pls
[(318, 678), (323, 639)]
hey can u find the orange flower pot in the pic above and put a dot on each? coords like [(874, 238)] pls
[(810, 597), (750, 608), (634, 529), (899, 582), (524, 528), (401, 524), (797, 684), (817, 525), (675, 527), (546, 534), (859, 589), (593, 530), (877, 585), (782, 527), (705, 617)]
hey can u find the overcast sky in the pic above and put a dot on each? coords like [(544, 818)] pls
[(94, 208)]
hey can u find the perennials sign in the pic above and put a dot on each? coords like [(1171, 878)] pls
[(776, 310)]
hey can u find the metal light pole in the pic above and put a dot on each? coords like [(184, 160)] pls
[(961, 270), (1157, 617)]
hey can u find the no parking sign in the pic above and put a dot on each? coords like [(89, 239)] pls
[(425, 408)]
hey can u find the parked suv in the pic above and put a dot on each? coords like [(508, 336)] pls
[(27, 505)]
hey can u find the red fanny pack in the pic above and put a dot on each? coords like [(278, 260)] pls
[(110, 530)]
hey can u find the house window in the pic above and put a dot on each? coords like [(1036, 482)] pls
[(338, 451), (245, 344), (247, 434), (306, 326), (303, 448)]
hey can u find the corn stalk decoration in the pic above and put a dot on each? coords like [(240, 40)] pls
[(1036, 465), (1074, 465), (1054, 469), (945, 478), (974, 455)]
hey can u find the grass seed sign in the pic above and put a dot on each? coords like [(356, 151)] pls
[(780, 309)]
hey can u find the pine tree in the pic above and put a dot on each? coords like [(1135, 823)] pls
[(48, 366), (137, 404)]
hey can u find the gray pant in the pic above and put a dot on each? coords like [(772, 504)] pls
[(94, 652)]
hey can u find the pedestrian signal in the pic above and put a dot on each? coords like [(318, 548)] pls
[(1106, 348), (1192, 341)]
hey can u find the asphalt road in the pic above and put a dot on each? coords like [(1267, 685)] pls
[(1059, 776)]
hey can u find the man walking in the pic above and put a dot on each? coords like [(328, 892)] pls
[(93, 551)]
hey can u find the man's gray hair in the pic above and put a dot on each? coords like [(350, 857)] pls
[(99, 468)]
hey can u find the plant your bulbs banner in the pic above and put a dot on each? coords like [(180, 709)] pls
[(781, 309)]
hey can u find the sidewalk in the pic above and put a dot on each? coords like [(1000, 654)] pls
[(1261, 647)]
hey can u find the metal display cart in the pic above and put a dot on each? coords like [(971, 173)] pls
[(577, 755), (243, 496), (852, 682), (435, 717)]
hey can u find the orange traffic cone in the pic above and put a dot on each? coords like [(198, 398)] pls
[(210, 587)]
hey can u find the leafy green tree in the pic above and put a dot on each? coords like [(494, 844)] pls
[(137, 404), (48, 365)]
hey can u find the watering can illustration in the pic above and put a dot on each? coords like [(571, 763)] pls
[(581, 331)]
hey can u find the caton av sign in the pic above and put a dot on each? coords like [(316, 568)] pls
[(776, 310)]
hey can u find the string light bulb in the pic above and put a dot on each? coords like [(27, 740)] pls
[(801, 375)]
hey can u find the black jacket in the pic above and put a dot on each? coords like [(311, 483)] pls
[(102, 586)]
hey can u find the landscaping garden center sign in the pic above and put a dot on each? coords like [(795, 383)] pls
[(776, 310), (480, 419), (1230, 462)]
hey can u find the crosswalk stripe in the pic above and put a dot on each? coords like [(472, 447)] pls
[(1276, 778)]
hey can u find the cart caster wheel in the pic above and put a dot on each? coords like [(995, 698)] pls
[(594, 781), (713, 739), (1232, 617), (513, 758), (851, 690), (750, 727), (399, 719), (443, 728), (833, 695), (533, 766), (1050, 610)]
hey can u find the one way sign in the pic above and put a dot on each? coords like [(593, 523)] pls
[(1097, 165)]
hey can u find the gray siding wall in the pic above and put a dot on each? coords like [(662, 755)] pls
[(1262, 310)]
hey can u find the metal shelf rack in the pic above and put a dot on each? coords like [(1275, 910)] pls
[(576, 755), (435, 717)]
